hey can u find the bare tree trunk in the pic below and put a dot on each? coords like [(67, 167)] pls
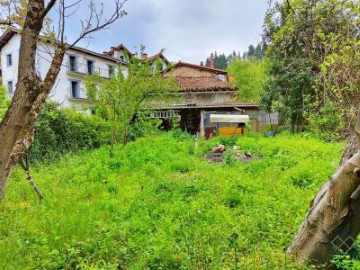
[(333, 222), (17, 127), (113, 141), (126, 136), (350, 150)]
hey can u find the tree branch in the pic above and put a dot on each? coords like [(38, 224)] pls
[(99, 24), (289, 6), (48, 8), (5, 22)]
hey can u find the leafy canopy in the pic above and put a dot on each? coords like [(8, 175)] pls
[(250, 77), (314, 53), (119, 98)]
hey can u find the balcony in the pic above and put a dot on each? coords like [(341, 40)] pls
[(83, 69)]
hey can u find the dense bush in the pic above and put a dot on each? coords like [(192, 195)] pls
[(60, 131), (158, 204), (144, 126), (328, 124)]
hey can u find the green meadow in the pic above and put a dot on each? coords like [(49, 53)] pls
[(159, 204)]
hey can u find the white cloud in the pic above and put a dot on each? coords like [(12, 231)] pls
[(189, 30)]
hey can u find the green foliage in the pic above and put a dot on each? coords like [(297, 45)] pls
[(222, 62), (144, 126), (158, 204), (328, 124), (314, 59), (250, 77), (346, 263), (229, 158), (119, 98), (4, 102), (256, 52), (59, 131)]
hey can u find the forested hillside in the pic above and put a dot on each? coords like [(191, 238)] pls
[(222, 61)]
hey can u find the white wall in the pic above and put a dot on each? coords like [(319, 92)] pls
[(10, 73), (61, 92)]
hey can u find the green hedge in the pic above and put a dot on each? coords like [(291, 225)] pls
[(60, 131)]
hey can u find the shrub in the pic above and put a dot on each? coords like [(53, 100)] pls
[(59, 131), (144, 127), (328, 124)]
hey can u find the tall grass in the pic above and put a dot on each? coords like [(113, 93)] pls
[(158, 204)]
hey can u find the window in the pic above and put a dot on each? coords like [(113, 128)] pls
[(9, 60), (10, 87), (90, 67), (122, 58), (222, 77), (111, 70), (75, 89), (72, 63)]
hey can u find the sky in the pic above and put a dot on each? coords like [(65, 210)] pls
[(188, 30)]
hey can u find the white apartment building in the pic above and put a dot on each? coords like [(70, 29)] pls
[(69, 89)]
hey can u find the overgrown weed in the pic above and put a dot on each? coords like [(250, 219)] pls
[(158, 204)]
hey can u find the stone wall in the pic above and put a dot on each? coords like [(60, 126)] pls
[(188, 72)]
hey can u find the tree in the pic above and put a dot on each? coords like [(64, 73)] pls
[(250, 77), (333, 216), (306, 39), (314, 59), (222, 61), (17, 127), (120, 98), (251, 50)]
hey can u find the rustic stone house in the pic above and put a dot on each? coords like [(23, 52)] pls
[(205, 91)]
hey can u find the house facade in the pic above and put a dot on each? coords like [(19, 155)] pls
[(69, 89), (205, 92)]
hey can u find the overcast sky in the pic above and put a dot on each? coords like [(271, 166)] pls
[(188, 30)]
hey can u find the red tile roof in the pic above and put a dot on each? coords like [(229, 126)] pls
[(160, 54), (117, 48), (208, 83), (122, 47)]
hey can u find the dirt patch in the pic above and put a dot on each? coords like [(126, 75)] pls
[(245, 158), (219, 157), (215, 157)]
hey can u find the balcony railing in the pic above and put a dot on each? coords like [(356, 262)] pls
[(82, 69)]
